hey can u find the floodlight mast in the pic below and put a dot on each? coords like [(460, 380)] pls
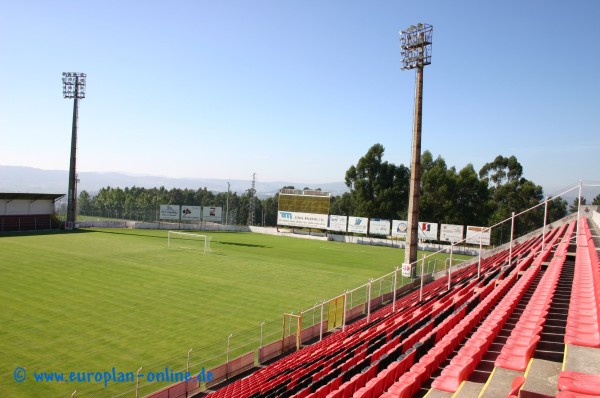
[(415, 43), (73, 87)]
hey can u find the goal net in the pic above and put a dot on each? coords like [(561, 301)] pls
[(189, 241)]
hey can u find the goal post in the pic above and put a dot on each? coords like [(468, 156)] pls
[(187, 240)]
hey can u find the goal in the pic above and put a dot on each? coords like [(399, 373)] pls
[(186, 240)]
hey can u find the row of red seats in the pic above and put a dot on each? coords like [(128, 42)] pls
[(575, 384), (579, 383), (425, 336), (583, 321), (292, 368), (374, 383), (469, 356), (570, 394), (371, 384), (407, 384), (337, 354), (521, 344), (412, 381), (358, 384)]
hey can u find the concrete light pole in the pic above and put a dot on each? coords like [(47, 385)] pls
[(73, 87), (415, 43)]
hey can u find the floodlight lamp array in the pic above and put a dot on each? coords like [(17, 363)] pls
[(415, 43), (73, 84)]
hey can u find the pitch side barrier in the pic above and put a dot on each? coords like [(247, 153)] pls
[(162, 225)]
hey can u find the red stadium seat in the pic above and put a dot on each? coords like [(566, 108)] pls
[(579, 382), (517, 383), (569, 394)]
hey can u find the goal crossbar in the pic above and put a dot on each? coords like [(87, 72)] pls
[(206, 239)]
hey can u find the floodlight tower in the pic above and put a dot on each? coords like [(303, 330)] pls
[(73, 87), (415, 43), (252, 196)]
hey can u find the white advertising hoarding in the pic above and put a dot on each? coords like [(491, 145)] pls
[(211, 213), (358, 225), (399, 228), (169, 212), (305, 220), (379, 227), (337, 223), (406, 270), (428, 231), (451, 233), (475, 234), (190, 213)]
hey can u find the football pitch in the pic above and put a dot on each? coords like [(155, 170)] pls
[(115, 300)]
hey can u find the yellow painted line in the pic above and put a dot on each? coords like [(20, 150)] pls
[(565, 358), (487, 383), (458, 389), (527, 368)]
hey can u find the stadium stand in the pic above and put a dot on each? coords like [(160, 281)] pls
[(28, 212), (528, 326)]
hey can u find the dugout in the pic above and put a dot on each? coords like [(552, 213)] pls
[(28, 212)]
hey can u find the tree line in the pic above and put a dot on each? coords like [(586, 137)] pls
[(464, 197), (377, 189), (142, 204)]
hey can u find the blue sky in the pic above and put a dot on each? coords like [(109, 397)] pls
[(299, 90)]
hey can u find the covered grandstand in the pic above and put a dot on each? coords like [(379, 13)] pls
[(28, 212)]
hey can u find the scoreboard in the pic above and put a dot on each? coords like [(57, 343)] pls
[(303, 208), (304, 201)]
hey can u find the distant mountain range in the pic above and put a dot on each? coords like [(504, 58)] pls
[(33, 180)]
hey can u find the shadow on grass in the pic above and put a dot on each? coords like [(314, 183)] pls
[(131, 234), (243, 244), (6, 234), (134, 234)]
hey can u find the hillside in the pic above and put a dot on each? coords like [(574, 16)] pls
[(29, 179)]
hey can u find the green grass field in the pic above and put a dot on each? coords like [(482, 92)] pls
[(95, 299)]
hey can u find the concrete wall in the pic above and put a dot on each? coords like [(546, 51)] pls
[(362, 240), (23, 207), (287, 232), (432, 247), (161, 225)]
